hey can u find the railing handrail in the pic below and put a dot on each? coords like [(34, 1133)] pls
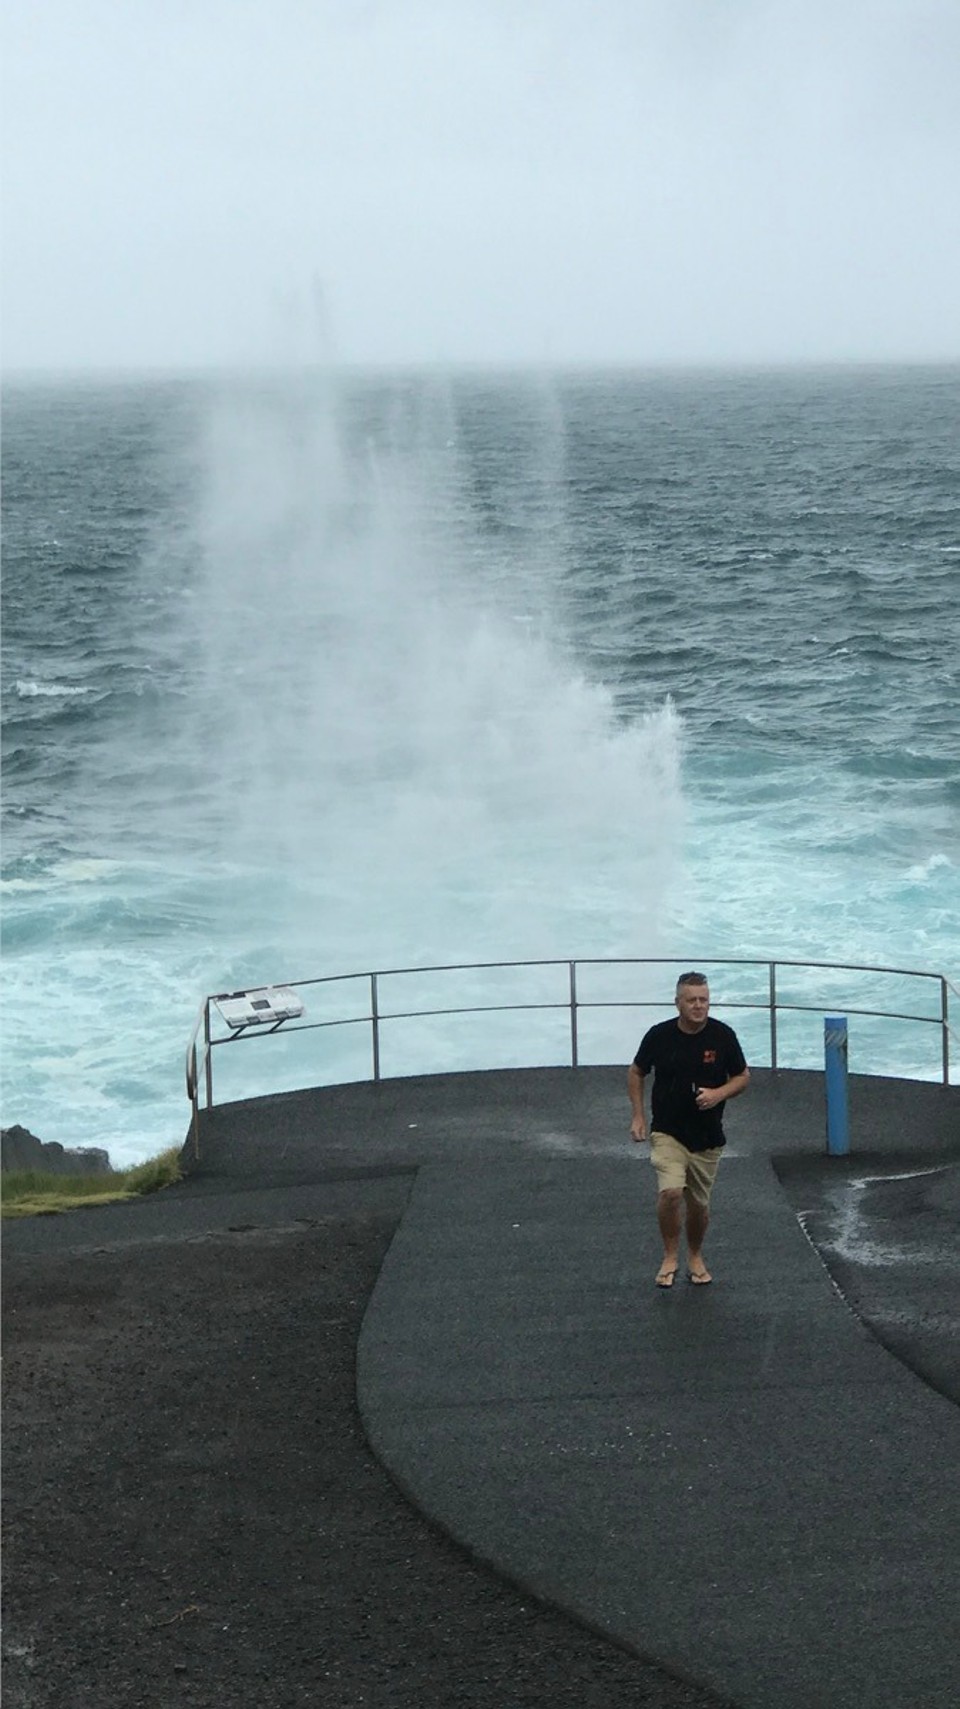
[(202, 1043), (594, 961)]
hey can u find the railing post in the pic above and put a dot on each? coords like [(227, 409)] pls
[(773, 1014), (207, 1054), (375, 1023), (574, 1049), (944, 1031), (835, 1061), (195, 1101)]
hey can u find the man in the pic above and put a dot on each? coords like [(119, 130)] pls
[(697, 1065)]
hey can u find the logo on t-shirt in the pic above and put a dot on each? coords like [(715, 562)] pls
[(709, 1056)]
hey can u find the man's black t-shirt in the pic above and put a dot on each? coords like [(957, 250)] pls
[(681, 1062)]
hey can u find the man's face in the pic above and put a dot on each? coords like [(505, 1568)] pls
[(693, 1004)]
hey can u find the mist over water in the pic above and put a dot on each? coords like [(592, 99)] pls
[(306, 676), (391, 733)]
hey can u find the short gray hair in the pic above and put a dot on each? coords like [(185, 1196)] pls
[(692, 978)]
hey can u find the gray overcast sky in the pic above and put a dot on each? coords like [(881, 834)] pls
[(481, 180)]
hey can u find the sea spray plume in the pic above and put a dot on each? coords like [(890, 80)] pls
[(410, 770)]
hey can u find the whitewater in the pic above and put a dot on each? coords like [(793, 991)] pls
[(309, 673)]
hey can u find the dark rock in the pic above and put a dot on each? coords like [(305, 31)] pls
[(21, 1149)]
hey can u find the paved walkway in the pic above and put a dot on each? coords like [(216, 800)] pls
[(740, 1482)]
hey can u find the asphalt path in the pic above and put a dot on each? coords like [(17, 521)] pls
[(742, 1494)]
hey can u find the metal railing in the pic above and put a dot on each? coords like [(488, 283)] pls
[(204, 1041)]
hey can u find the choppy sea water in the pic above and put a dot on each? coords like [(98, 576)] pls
[(307, 675)]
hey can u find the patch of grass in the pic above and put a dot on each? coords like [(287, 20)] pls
[(30, 1192)]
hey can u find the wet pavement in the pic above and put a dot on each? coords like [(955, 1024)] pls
[(754, 1484), (742, 1482), (886, 1227)]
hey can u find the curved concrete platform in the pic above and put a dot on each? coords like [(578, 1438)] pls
[(739, 1481)]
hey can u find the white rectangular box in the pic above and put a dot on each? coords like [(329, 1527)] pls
[(263, 1007)]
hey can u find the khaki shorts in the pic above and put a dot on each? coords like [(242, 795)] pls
[(678, 1169)]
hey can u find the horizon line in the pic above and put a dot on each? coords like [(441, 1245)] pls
[(26, 373)]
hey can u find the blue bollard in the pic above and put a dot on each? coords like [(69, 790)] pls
[(835, 1061)]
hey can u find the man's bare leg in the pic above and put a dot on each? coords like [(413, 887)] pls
[(698, 1221), (670, 1218)]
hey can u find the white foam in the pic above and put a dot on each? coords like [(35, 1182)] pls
[(27, 689), (923, 870), (89, 871)]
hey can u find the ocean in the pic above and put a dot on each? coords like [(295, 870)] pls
[(307, 674)]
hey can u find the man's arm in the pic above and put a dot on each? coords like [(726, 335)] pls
[(635, 1083), (708, 1097)]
